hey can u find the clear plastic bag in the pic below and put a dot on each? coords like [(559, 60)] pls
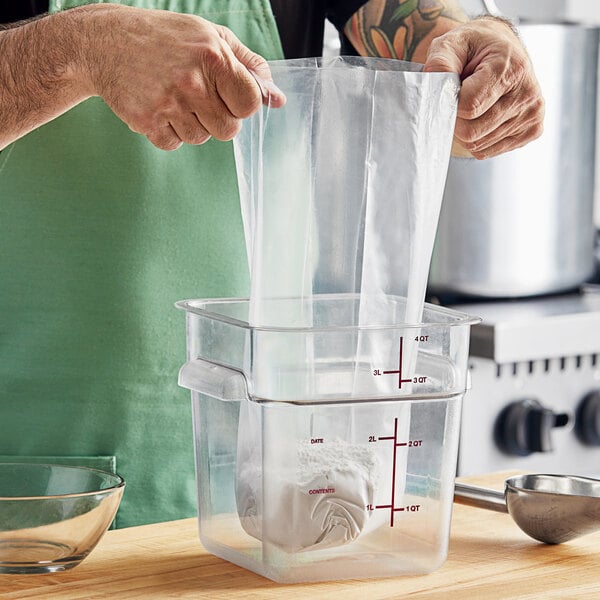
[(340, 193), (341, 189)]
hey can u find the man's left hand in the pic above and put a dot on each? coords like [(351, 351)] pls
[(500, 106)]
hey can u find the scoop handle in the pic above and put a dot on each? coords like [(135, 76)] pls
[(479, 497)]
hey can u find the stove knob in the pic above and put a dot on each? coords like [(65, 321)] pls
[(587, 419), (524, 427)]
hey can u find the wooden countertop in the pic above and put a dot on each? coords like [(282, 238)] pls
[(489, 558)]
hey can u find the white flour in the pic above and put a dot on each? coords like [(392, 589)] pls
[(322, 503), (303, 493)]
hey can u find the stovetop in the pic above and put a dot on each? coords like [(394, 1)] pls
[(537, 328), (534, 402)]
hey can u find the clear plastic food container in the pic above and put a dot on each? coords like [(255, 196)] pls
[(325, 452)]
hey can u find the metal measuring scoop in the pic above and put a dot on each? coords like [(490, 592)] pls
[(549, 508)]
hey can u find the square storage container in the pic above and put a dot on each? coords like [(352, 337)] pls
[(326, 451)]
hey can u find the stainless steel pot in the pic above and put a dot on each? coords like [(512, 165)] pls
[(521, 224)]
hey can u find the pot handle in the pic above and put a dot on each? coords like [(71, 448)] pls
[(491, 8), (211, 379)]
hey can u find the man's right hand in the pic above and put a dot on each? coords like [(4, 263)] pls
[(174, 78)]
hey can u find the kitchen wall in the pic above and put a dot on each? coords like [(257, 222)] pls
[(570, 10), (537, 9), (583, 10)]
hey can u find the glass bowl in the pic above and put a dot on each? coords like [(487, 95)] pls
[(52, 516)]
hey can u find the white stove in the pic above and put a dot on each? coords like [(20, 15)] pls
[(534, 402)]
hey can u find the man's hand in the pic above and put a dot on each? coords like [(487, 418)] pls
[(174, 78), (171, 77), (500, 105)]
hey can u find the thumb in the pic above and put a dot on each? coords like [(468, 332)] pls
[(450, 54), (447, 57), (258, 68)]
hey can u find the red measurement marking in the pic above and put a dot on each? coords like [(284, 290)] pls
[(392, 508), (399, 371), (394, 467)]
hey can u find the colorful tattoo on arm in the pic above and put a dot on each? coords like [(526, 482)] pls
[(401, 28)]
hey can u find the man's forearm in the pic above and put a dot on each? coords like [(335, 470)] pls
[(41, 73), (404, 29)]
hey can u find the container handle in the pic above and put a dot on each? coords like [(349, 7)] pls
[(217, 381)]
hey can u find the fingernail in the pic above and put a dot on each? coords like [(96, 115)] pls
[(272, 88), (267, 88)]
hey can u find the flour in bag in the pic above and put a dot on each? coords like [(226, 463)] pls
[(320, 502)]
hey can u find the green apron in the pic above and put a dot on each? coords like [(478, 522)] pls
[(100, 233)]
